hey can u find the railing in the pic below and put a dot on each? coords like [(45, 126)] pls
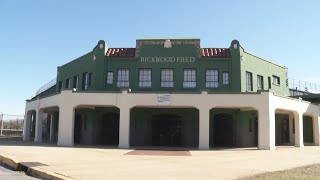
[(303, 86), (47, 86)]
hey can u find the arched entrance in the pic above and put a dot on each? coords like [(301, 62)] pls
[(164, 127), (96, 125), (231, 127)]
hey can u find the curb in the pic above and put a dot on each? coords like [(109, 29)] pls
[(36, 172)]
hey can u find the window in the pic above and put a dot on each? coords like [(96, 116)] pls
[(109, 78), (68, 83), (85, 81), (212, 78), (249, 81), (144, 78), (123, 78), (60, 86), (89, 79), (75, 82), (260, 82), (275, 80), (189, 78), (250, 125), (166, 77), (225, 78)]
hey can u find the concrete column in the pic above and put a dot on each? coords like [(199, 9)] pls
[(27, 126), (124, 127), (204, 128), (51, 127), (266, 128), (66, 125), (316, 130), (298, 122), (38, 131)]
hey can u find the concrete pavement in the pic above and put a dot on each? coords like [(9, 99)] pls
[(12, 175), (102, 163)]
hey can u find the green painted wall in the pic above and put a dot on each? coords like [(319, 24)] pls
[(90, 62), (258, 66), (236, 68)]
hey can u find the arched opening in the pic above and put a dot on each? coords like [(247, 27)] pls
[(50, 124), (231, 127), (164, 127), (95, 125), (284, 128)]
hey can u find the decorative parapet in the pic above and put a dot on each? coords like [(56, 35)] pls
[(140, 42)]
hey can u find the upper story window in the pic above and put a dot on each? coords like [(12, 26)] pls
[(75, 82), (260, 82), (109, 78), (212, 78), (249, 81), (86, 80), (166, 77), (89, 79), (68, 83), (275, 80), (123, 78), (189, 78), (225, 78), (144, 78)]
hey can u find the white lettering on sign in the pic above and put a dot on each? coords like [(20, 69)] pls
[(164, 99), (156, 59)]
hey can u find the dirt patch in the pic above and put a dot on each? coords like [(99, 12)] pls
[(306, 172)]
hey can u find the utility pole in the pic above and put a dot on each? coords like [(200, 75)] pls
[(1, 124)]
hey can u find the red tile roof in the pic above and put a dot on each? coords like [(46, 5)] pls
[(204, 52), (121, 52), (215, 52)]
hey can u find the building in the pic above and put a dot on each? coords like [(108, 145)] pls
[(172, 93)]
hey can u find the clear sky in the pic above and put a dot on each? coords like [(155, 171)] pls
[(37, 36)]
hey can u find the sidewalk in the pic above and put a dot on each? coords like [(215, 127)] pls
[(102, 163)]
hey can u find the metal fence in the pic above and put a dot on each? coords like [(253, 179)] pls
[(11, 125), (303, 86)]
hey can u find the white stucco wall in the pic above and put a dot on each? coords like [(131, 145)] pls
[(265, 103)]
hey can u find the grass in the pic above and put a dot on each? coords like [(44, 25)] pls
[(311, 172)]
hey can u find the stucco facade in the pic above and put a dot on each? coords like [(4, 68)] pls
[(172, 93)]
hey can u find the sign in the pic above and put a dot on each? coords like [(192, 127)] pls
[(164, 99), (157, 59)]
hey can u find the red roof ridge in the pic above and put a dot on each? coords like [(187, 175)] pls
[(215, 52), (121, 52)]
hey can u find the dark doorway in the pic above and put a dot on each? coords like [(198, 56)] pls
[(307, 129), (166, 130), (223, 130), (110, 129), (77, 129), (282, 132)]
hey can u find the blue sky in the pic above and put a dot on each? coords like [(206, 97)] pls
[(37, 36)]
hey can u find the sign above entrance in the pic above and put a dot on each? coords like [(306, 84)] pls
[(156, 59), (164, 99)]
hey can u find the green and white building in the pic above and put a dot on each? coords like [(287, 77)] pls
[(171, 93)]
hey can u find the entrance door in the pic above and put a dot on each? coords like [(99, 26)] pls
[(77, 128), (223, 130), (110, 129), (166, 130)]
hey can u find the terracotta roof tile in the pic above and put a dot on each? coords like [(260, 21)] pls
[(121, 52), (215, 52)]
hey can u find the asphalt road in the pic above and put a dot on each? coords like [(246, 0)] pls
[(7, 174)]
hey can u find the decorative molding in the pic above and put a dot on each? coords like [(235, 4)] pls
[(139, 43)]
